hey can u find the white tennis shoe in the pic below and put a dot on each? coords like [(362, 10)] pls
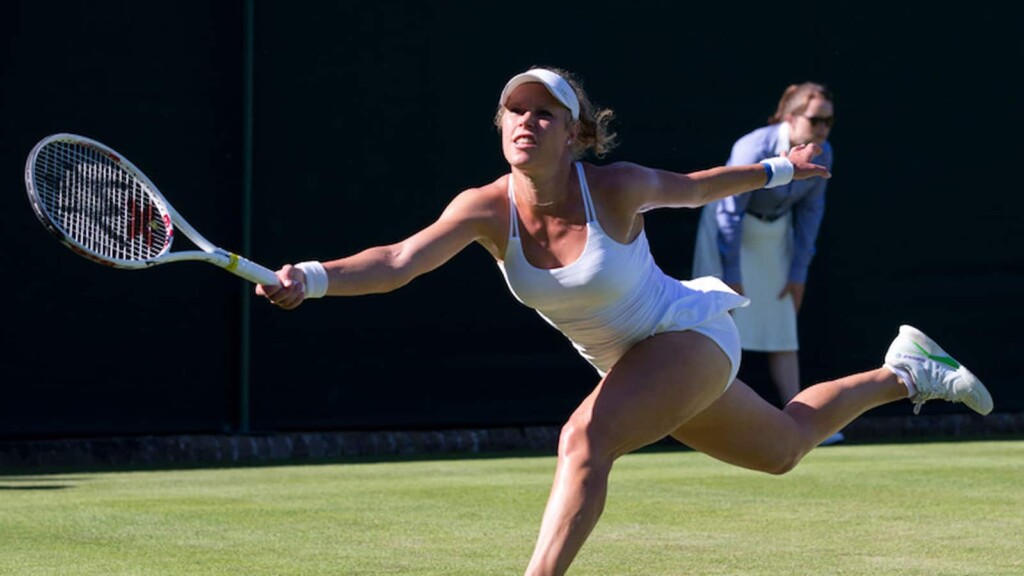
[(935, 374)]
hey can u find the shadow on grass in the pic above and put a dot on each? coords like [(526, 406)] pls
[(33, 487)]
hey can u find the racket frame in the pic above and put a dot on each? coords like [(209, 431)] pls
[(209, 253)]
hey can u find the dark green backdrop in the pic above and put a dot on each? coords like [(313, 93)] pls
[(369, 116)]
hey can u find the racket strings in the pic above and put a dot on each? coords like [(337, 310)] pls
[(99, 204)]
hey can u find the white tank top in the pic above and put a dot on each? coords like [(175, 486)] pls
[(614, 295)]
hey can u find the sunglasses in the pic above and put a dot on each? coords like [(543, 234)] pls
[(815, 121)]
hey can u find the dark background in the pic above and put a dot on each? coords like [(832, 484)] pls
[(368, 117)]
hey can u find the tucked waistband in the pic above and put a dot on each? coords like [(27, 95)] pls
[(766, 217)]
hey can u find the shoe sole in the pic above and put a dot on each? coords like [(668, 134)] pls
[(978, 397)]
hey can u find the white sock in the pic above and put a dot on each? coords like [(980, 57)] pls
[(904, 377)]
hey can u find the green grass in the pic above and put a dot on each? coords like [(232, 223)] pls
[(902, 509)]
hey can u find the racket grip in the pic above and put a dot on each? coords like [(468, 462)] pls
[(251, 271)]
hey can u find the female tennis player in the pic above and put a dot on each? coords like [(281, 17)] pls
[(569, 238)]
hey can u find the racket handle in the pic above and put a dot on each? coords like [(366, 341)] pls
[(251, 271)]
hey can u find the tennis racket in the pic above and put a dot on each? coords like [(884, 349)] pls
[(102, 207)]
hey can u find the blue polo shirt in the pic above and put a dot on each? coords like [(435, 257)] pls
[(804, 198)]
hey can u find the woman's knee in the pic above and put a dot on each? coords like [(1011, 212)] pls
[(784, 465), (785, 459), (582, 440)]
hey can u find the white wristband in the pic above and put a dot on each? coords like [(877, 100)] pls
[(316, 278), (780, 171)]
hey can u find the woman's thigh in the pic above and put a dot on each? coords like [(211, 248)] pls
[(742, 428), (658, 385)]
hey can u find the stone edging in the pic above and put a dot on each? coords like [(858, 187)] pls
[(326, 446)]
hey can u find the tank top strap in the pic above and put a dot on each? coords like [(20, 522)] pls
[(588, 204), (513, 220)]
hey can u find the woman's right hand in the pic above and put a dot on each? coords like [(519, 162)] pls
[(290, 293)]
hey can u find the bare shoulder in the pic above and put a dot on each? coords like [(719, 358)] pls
[(485, 210), (621, 185), (619, 169), (487, 201)]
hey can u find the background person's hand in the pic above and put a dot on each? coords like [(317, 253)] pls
[(796, 289)]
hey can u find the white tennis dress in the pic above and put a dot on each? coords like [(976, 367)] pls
[(614, 295)]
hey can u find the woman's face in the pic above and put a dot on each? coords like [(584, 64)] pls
[(535, 126), (813, 125)]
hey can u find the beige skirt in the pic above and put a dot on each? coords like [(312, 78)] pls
[(768, 324)]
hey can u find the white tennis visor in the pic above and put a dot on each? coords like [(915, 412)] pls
[(558, 87)]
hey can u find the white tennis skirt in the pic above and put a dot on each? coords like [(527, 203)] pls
[(768, 324)]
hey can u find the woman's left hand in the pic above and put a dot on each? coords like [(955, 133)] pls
[(801, 155)]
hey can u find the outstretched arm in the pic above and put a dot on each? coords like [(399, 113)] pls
[(664, 189), (386, 268)]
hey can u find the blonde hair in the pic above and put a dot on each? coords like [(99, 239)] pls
[(797, 97), (595, 135)]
